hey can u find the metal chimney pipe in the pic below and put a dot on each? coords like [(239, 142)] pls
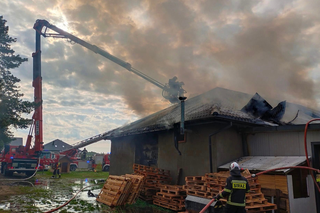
[(182, 99)]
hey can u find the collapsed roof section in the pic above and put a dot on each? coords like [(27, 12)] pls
[(258, 107), (220, 104)]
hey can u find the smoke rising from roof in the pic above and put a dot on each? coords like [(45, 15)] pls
[(254, 46)]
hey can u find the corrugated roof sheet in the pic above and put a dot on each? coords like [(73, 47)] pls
[(216, 103), (262, 163)]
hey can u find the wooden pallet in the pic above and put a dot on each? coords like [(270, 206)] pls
[(172, 187), (195, 187), (174, 192), (154, 178), (250, 196), (214, 186), (199, 193), (170, 196), (194, 178), (173, 201), (115, 191), (261, 207), (149, 169), (137, 181), (120, 190), (256, 201)]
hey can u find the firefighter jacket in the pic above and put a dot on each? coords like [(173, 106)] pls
[(236, 188), (57, 165)]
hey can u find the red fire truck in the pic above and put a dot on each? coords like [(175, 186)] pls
[(27, 159)]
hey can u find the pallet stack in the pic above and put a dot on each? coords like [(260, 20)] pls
[(212, 184), (196, 186), (170, 197), (120, 190), (153, 179)]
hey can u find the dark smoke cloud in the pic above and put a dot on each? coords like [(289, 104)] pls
[(253, 46)]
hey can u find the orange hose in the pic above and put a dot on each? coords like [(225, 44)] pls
[(66, 203), (306, 150)]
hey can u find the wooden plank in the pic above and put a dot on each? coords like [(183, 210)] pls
[(170, 196), (281, 183), (262, 207), (114, 177), (198, 193), (172, 201), (193, 178), (115, 182), (174, 192)]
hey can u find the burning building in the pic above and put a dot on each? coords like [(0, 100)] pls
[(220, 126)]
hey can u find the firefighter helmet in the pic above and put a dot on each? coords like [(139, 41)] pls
[(233, 166)]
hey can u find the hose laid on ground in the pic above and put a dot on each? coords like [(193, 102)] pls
[(66, 203), (260, 173)]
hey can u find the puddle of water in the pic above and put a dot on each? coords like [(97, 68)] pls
[(48, 194)]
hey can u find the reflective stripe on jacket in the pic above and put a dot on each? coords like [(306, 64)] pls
[(236, 188)]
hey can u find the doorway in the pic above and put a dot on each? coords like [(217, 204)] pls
[(64, 167)]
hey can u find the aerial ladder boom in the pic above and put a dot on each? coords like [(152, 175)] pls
[(171, 91), (84, 143)]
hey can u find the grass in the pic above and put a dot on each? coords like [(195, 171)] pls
[(28, 198), (76, 174)]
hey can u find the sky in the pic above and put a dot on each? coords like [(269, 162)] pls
[(269, 47)]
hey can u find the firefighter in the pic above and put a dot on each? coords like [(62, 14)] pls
[(236, 188), (84, 154), (56, 170)]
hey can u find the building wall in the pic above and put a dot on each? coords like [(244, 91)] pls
[(126, 151), (299, 205), (122, 156), (194, 158), (284, 143)]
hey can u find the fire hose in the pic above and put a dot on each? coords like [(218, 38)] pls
[(66, 203), (306, 150), (291, 167), (21, 180)]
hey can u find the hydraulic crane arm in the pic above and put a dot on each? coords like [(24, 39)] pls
[(171, 91)]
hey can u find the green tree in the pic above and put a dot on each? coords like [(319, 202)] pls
[(12, 107)]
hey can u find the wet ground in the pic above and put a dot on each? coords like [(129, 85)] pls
[(41, 195)]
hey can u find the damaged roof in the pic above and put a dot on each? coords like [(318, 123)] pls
[(263, 163), (220, 103)]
